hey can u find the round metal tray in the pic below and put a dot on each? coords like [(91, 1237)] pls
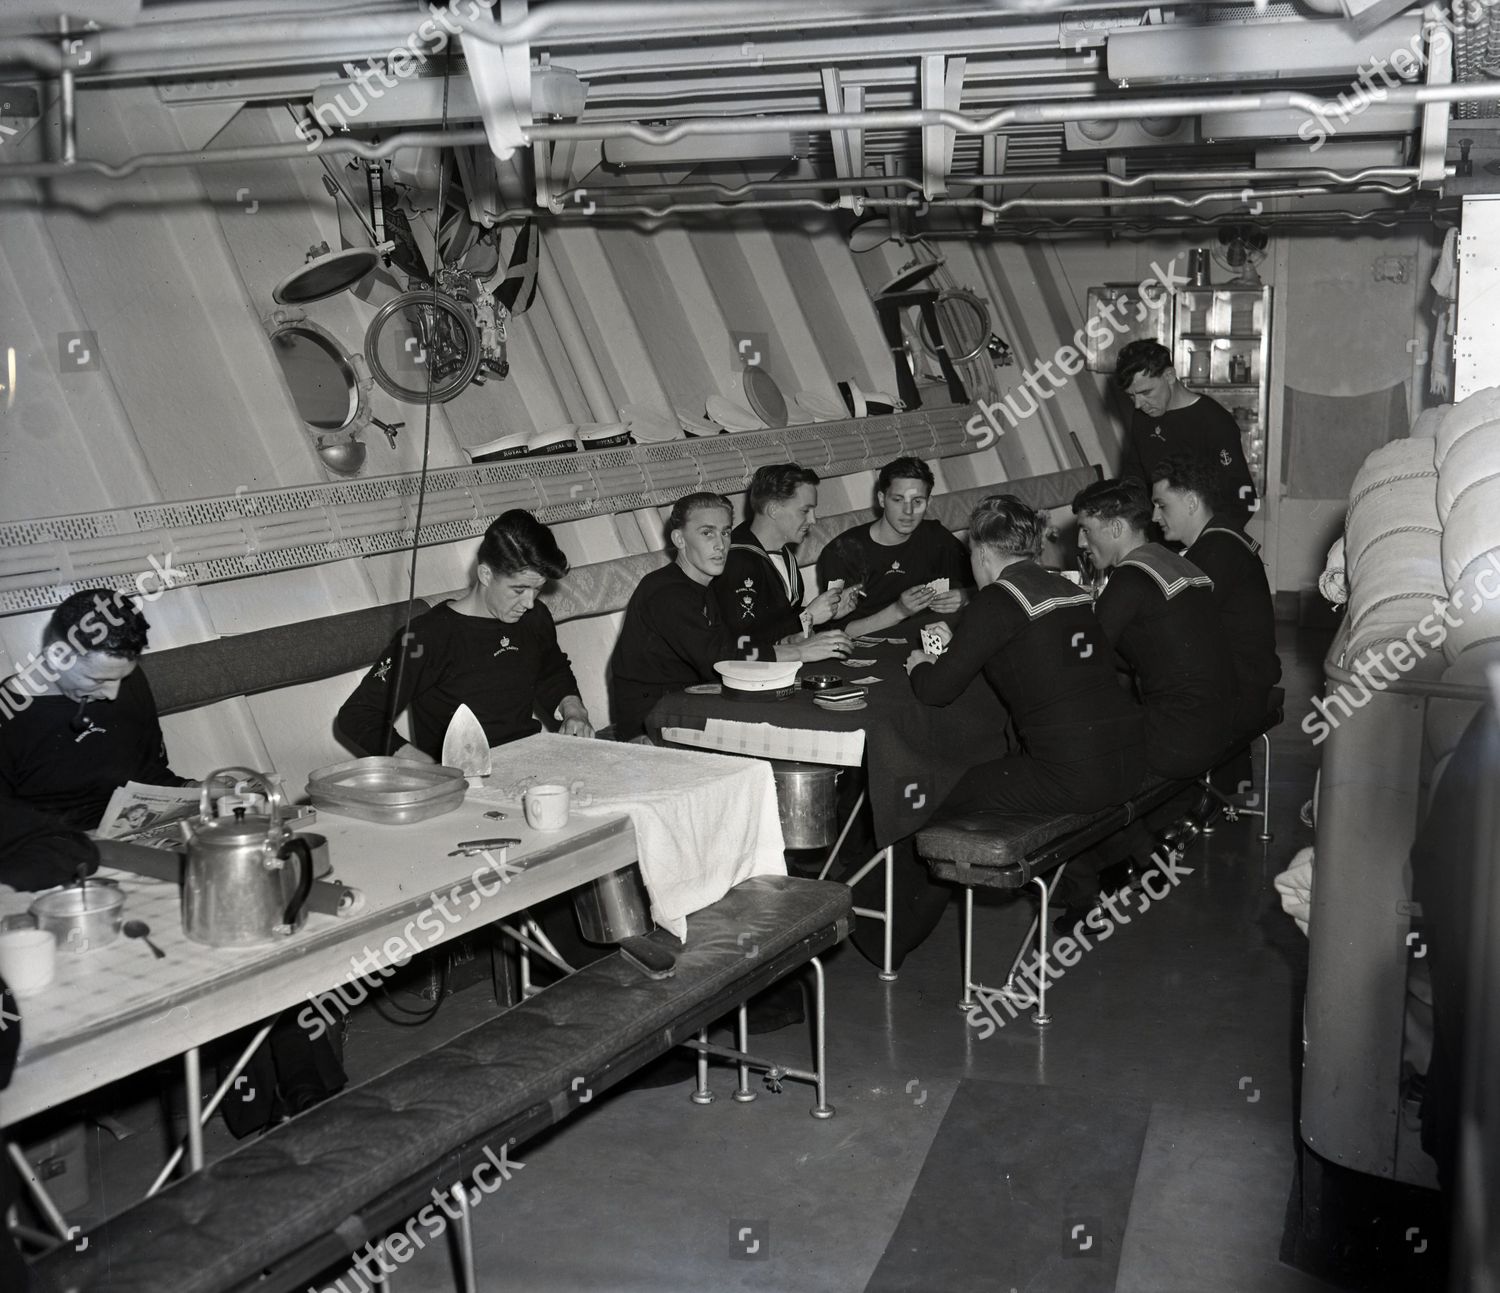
[(384, 782), (392, 815)]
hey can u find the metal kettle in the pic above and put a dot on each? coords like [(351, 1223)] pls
[(238, 889)]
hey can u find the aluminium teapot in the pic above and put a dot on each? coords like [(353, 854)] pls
[(246, 881)]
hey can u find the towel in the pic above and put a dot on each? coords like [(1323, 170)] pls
[(1295, 887), (1333, 583), (703, 822)]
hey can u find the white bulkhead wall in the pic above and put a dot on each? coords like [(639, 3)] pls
[(171, 270)]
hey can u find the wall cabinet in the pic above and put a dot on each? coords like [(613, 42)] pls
[(1221, 347)]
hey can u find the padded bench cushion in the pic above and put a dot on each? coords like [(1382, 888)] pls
[(246, 664), (298, 1196), (1003, 839), (1005, 850)]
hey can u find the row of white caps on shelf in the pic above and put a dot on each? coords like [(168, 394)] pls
[(642, 424)]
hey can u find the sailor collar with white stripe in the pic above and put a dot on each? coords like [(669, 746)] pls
[(1214, 528), (1172, 572), (1037, 606)]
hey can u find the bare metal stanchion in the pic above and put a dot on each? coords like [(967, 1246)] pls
[(465, 1240), (885, 855), (38, 1191), (193, 1078), (886, 973), (702, 1095), (742, 1093), (1265, 792), (820, 1066), (1041, 1017), (967, 950), (225, 1087), (839, 843)]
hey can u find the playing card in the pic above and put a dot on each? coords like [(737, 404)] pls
[(860, 664), (806, 623), (932, 644), (938, 585), (866, 682), (835, 586)]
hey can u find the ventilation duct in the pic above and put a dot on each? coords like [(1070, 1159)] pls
[(700, 149), (1288, 123), (1268, 51)]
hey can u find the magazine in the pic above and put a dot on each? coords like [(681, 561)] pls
[(149, 815)]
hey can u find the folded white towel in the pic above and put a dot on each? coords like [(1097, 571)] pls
[(703, 822)]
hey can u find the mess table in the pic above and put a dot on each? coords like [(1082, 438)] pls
[(116, 1010), (913, 754)]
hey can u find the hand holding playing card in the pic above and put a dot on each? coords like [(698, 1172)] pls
[(916, 598), (823, 607), (935, 639)]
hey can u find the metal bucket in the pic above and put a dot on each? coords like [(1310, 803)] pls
[(807, 795), (613, 907)]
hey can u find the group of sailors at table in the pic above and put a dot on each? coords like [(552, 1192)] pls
[(1185, 622), (1159, 670)]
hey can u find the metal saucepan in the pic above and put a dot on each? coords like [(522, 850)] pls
[(81, 917)]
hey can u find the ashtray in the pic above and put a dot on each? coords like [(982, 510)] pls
[(821, 681)]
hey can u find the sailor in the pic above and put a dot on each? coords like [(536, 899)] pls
[(674, 632), (494, 649), (1157, 612), (76, 723), (80, 720), (893, 561), (1185, 504), (1170, 419), (1080, 739), (63, 754), (760, 591)]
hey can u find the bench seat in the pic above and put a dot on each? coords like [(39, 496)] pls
[(1008, 850), (997, 850), (275, 1213)]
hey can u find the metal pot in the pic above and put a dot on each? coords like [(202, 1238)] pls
[(237, 890), (614, 907), (807, 797), (83, 916)]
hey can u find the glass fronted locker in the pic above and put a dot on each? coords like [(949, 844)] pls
[(1221, 348)]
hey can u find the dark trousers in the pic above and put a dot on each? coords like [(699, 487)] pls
[(289, 1072), (918, 901), (1021, 784)]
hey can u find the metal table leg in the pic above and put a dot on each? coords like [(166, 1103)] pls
[(38, 1191), (208, 1112), (887, 854), (843, 834), (193, 1078), (465, 1240)]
